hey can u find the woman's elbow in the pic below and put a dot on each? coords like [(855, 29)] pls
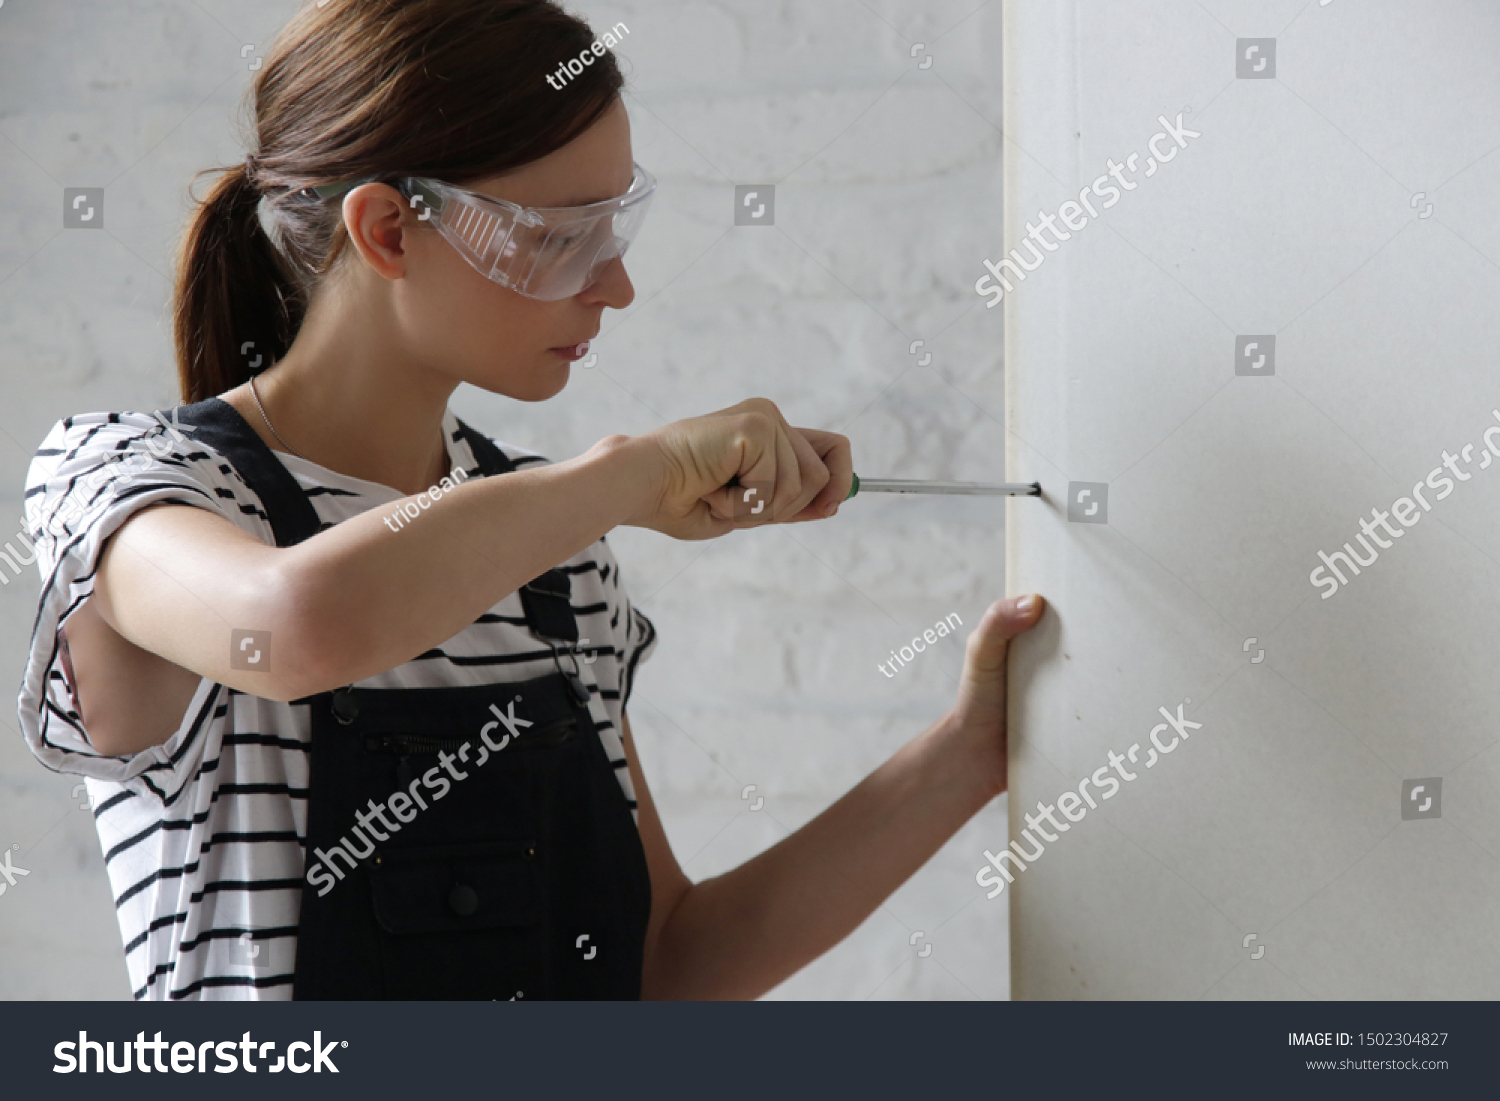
[(310, 649)]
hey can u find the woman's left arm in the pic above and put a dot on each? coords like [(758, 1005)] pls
[(739, 934)]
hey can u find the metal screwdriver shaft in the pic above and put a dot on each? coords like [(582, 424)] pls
[(905, 485)]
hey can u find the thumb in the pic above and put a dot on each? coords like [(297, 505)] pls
[(981, 691), (1002, 621)]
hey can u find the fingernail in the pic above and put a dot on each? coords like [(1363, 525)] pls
[(831, 509), (1026, 604)]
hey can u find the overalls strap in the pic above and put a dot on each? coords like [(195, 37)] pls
[(219, 424), (547, 598)]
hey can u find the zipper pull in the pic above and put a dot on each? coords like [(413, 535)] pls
[(580, 690)]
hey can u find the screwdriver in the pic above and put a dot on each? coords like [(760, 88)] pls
[(905, 485)]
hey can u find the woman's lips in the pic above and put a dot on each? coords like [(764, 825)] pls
[(572, 351)]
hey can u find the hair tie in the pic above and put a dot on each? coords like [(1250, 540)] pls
[(265, 214)]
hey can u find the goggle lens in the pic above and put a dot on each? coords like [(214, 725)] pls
[(543, 255)]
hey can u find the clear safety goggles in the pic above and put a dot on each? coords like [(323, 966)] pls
[(546, 253)]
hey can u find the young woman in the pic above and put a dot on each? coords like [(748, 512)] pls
[(347, 678)]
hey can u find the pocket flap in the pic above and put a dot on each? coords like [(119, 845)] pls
[(452, 888)]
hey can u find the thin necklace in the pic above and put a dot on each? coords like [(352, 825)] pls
[(256, 395)]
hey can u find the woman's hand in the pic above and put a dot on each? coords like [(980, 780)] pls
[(980, 708), (739, 934), (784, 474)]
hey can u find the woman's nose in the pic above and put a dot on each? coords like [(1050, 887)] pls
[(613, 287)]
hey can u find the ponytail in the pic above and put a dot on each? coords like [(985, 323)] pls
[(236, 311)]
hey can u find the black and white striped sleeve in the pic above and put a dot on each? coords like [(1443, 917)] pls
[(634, 634), (91, 474)]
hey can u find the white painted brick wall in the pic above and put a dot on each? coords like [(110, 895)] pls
[(887, 197)]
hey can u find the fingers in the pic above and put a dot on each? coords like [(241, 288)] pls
[(785, 474), (788, 493), (704, 521), (773, 485), (753, 501), (833, 451), (797, 465), (811, 470), (805, 486)]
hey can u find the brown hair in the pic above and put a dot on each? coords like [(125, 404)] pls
[(453, 89)]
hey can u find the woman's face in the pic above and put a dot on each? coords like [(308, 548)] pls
[(459, 324)]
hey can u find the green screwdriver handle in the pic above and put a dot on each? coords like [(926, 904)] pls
[(853, 489)]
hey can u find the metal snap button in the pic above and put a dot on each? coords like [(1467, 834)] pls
[(345, 707), (463, 901)]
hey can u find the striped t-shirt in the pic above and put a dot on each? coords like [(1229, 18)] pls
[(203, 835)]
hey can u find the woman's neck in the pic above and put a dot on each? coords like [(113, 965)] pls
[(353, 409)]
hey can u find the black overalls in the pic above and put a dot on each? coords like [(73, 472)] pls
[(526, 878)]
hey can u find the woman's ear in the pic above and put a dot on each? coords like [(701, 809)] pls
[(375, 219)]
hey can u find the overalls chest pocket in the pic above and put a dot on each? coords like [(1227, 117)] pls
[(485, 849), (427, 886), (508, 864)]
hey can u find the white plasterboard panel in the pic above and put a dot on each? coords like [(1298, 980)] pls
[(1293, 214)]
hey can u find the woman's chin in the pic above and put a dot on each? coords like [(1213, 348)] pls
[(540, 386)]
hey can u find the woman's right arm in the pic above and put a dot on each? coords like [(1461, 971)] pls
[(359, 598)]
